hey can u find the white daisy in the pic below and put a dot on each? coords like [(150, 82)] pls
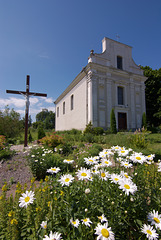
[(104, 175), (106, 163), (104, 232), (75, 223), (90, 161), (115, 178), (150, 232), (138, 158), (66, 179), (53, 236), (86, 222), (44, 224), (102, 218), (26, 199), (150, 157), (155, 219), (83, 174), (126, 164), (123, 153), (53, 170), (125, 175), (68, 161), (127, 186), (116, 148)]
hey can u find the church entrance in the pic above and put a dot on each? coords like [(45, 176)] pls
[(122, 121)]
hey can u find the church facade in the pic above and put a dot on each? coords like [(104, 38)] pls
[(111, 79)]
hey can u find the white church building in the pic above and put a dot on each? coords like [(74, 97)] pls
[(111, 79)]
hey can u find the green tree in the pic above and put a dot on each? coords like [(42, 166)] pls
[(46, 117), (153, 95), (10, 125), (113, 122)]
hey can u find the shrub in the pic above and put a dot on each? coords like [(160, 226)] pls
[(52, 141), (113, 122), (41, 133), (137, 140), (98, 130), (89, 128), (2, 142)]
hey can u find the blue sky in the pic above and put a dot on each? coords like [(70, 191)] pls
[(50, 40)]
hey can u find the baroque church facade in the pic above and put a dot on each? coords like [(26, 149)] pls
[(111, 79)]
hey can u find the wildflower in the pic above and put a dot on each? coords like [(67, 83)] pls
[(106, 163), (125, 175), (86, 222), (102, 218), (4, 188), (53, 170), (68, 161), (155, 219), (104, 232), (75, 223), (104, 175), (90, 161), (26, 198), (150, 157), (87, 191), (149, 231), (127, 186), (138, 158), (66, 179), (115, 178), (14, 221), (86, 210), (10, 214), (53, 236), (44, 224), (126, 164), (83, 173), (123, 153)]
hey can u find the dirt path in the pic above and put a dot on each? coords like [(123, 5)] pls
[(15, 169)]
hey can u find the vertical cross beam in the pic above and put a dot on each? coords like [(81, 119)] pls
[(27, 109)]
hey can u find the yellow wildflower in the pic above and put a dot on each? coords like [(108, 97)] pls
[(14, 221)]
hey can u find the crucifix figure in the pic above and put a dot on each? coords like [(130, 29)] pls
[(27, 94)]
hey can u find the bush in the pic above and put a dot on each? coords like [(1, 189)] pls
[(98, 130), (137, 140), (2, 142), (41, 133), (52, 141), (89, 128), (113, 122)]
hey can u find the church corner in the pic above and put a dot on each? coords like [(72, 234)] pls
[(110, 80)]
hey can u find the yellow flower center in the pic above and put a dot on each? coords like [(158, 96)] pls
[(105, 232), (103, 174), (149, 155), (90, 160), (53, 169), (45, 226), (149, 232), (126, 175), (68, 160), (138, 158), (67, 180), (116, 148), (74, 222), (126, 186), (122, 151), (27, 199), (156, 220), (106, 162), (85, 220), (83, 174), (106, 152), (116, 179), (126, 164)]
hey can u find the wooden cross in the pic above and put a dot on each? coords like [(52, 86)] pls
[(27, 94)]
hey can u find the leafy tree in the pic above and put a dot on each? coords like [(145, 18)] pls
[(47, 118), (153, 95), (10, 123), (113, 122)]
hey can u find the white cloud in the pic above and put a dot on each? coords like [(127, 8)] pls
[(49, 100), (17, 102)]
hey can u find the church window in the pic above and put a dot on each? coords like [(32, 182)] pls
[(57, 111), (63, 107), (120, 92), (119, 62), (72, 102)]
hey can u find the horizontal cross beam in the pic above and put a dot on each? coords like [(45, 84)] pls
[(30, 93)]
